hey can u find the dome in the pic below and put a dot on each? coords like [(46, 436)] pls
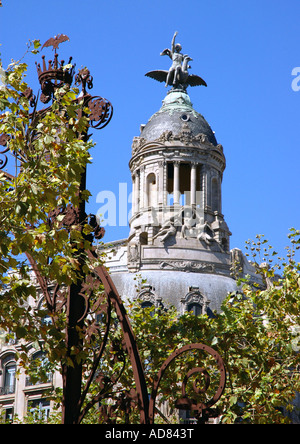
[(176, 114), (173, 287)]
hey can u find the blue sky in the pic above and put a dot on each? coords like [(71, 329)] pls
[(245, 50)]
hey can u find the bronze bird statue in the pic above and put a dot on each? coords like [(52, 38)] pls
[(55, 41)]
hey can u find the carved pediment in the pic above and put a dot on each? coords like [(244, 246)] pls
[(141, 144)]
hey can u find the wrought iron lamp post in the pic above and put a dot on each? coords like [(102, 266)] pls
[(77, 306)]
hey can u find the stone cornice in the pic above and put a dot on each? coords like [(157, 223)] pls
[(182, 145)]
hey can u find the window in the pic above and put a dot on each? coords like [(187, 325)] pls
[(185, 117), (10, 378), (8, 375), (8, 415), (170, 176), (195, 302), (144, 238), (40, 408), (40, 362), (224, 243), (151, 190), (184, 184), (146, 304), (195, 308)]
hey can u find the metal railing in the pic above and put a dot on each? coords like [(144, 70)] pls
[(7, 390), (28, 381)]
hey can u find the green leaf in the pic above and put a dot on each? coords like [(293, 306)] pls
[(21, 332)]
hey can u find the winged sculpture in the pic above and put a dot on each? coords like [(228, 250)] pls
[(178, 75), (55, 41)]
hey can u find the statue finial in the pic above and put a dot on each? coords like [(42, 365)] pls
[(178, 75), (55, 41)]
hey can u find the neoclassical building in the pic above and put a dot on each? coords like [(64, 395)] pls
[(179, 241)]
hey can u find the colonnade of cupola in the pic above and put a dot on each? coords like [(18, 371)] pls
[(176, 183)]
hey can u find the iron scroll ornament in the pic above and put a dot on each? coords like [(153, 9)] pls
[(3, 142), (101, 112), (201, 409), (3, 162)]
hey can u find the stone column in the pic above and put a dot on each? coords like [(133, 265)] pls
[(161, 183), (133, 194), (176, 187), (137, 191), (142, 187), (203, 181), (208, 187), (193, 183)]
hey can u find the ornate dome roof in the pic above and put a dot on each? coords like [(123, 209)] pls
[(171, 290), (177, 113)]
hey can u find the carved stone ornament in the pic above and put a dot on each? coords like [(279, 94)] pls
[(137, 143), (185, 137), (133, 254), (187, 266), (148, 295)]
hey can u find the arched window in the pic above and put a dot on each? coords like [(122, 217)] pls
[(10, 378), (151, 190), (195, 302), (144, 238), (148, 304), (39, 364), (9, 368)]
